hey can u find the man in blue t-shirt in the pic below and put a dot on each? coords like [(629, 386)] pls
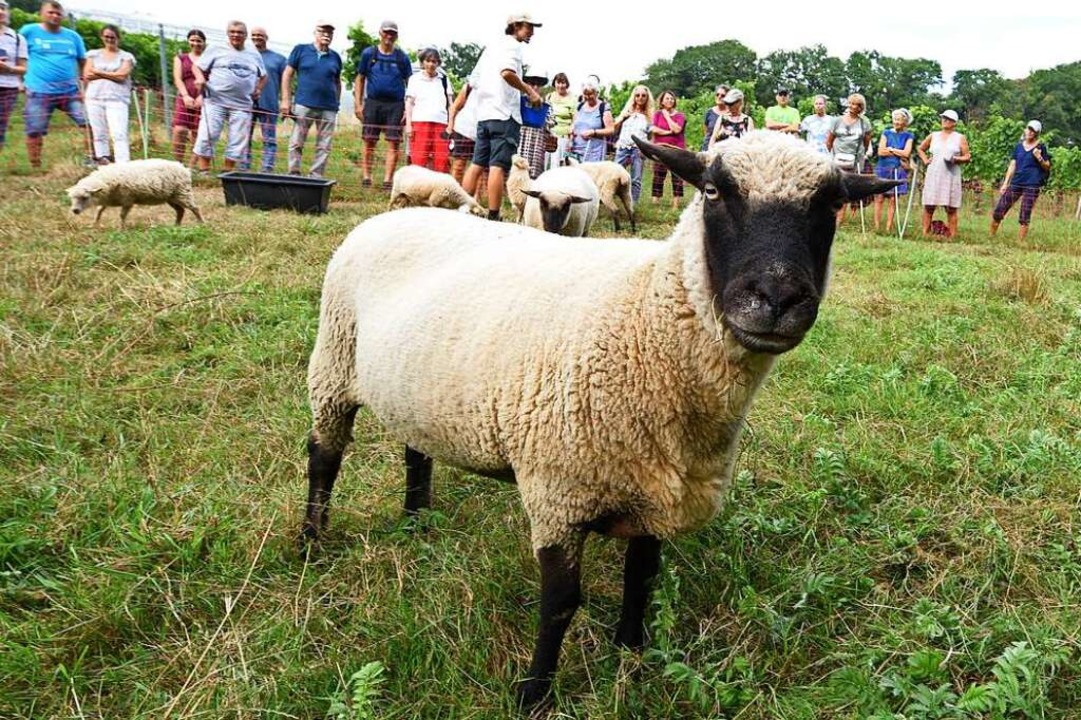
[(55, 65), (379, 97), (318, 73), (265, 110)]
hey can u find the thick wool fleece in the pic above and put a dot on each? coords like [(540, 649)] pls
[(139, 182), (613, 183), (598, 372), (416, 185)]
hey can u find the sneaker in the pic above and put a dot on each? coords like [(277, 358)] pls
[(387, 185), (366, 182)]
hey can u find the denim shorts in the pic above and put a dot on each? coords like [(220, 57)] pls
[(39, 108), (497, 142)]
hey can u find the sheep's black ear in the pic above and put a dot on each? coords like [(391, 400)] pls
[(532, 193), (575, 199), (682, 162), (857, 187)]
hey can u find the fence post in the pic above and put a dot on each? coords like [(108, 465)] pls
[(166, 79)]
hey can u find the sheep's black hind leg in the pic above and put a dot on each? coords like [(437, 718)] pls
[(418, 481), (561, 594), (324, 462), (640, 567), (179, 209)]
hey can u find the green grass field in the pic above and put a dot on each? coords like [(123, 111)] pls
[(903, 539)]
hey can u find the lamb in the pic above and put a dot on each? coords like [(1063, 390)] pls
[(609, 380), (563, 200), (139, 182), (517, 181), (416, 185), (613, 182)]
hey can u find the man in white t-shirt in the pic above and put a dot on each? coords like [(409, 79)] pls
[(498, 85), (236, 77), (12, 68), (816, 127)]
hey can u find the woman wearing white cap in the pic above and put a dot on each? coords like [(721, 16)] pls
[(1029, 169), (942, 184)]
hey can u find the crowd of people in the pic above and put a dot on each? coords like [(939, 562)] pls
[(472, 134)]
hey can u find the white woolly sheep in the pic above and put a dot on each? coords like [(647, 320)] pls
[(563, 200), (416, 185), (139, 182), (517, 181), (613, 183), (609, 380)]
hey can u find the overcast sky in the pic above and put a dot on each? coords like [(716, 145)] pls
[(616, 42)]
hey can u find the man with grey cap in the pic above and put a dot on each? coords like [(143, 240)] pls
[(497, 80), (379, 98), (318, 73), (1030, 166)]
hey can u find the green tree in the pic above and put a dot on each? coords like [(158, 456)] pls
[(1051, 95), (360, 39), (460, 59), (807, 71), (891, 82), (698, 69), (980, 92)]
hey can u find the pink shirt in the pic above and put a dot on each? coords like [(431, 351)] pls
[(679, 139)]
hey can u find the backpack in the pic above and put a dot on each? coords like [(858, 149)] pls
[(600, 114), (384, 73)]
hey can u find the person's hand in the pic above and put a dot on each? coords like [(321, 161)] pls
[(198, 102), (189, 102), (409, 130), (1005, 186), (534, 97), (283, 110), (1037, 154), (359, 111)]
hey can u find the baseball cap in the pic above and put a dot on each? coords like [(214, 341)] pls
[(522, 18), (734, 95), (949, 115), (1036, 126), (324, 24), (388, 26)]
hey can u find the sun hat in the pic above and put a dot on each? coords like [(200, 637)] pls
[(949, 115)]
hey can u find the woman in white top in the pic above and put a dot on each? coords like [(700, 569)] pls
[(108, 93), (427, 98), (634, 122)]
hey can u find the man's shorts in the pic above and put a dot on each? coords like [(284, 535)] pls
[(497, 141), (39, 108), (461, 146), (383, 116)]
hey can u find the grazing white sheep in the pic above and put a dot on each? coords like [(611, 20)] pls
[(613, 183), (563, 200), (517, 181), (416, 185), (139, 182), (609, 380)]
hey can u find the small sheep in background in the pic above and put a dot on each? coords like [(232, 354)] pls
[(517, 181), (415, 185), (563, 200), (613, 182), (139, 182)]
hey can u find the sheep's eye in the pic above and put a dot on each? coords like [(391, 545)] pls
[(710, 190)]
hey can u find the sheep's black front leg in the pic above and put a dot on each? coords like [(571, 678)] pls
[(324, 462), (418, 481), (640, 566), (561, 594)]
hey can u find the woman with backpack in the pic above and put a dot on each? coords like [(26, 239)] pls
[(593, 125), (427, 98), (1030, 166)]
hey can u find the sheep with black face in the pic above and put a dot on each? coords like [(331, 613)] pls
[(563, 200), (610, 380)]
